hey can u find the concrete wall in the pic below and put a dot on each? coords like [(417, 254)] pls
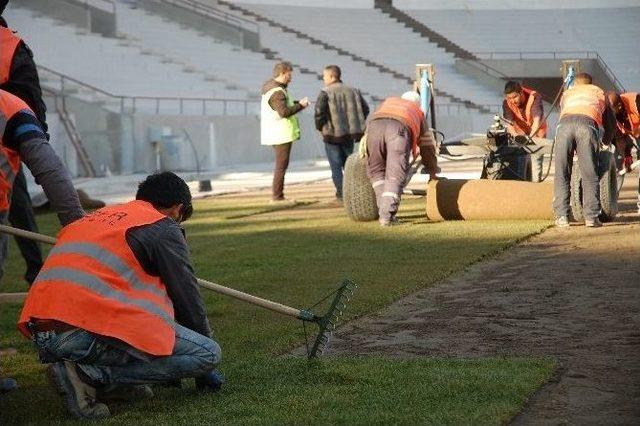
[(74, 12), (351, 4), (219, 141), (213, 27)]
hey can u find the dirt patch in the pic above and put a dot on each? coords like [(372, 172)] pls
[(570, 294)]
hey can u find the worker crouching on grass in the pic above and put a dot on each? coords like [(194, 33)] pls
[(397, 129), (586, 120), (117, 305)]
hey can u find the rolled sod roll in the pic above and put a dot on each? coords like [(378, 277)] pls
[(458, 199)]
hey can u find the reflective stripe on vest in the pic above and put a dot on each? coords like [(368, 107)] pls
[(629, 103), (522, 124), (583, 99), (92, 280), (407, 112), (276, 130), (10, 105), (8, 45)]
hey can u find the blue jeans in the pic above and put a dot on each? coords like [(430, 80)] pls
[(337, 155), (193, 355)]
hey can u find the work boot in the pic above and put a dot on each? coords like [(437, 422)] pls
[(80, 398), (562, 222), (124, 393), (391, 222), (592, 223)]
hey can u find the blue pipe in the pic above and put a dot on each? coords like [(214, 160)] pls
[(425, 92), (571, 75)]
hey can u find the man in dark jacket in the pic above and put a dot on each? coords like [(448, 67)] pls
[(340, 116), (22, 80)]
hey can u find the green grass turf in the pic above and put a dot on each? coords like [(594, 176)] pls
[(295, 257)]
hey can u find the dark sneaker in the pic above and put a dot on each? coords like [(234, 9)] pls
[(562, 222), (210, 382), (79, 397), (592, 223), (7, 384), (124, 393)]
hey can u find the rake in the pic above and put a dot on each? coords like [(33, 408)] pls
[(326, 323)]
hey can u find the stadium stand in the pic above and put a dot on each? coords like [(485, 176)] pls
[(611, 32), (370, 33), (119, 66)]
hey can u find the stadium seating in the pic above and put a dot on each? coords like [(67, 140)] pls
[(611, 32), (373, 35), (118, 66)]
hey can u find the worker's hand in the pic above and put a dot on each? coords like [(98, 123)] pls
[(304, 102), (210, 382)]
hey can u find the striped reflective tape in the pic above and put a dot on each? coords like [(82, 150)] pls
[(110, 260), (96, 285)]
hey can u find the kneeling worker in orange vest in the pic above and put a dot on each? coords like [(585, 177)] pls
[(586, 120), (116, 305), (397, 129), (523, 107)]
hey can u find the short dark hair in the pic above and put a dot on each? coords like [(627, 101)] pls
[(512, 87), (335, 71), (165, 190), (584, 78), (3, 5), (281, 68)]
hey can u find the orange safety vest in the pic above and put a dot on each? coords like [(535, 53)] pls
[(583, 99), (522, 124), (10, 105), (632, 126), (8, 45), (407, 112), (92, 280)]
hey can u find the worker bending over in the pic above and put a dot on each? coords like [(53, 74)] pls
[(397, 129), (586, 120), (117, 305), (523, 108), (626, 107)]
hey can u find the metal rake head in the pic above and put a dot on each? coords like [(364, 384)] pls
[(328, 322)]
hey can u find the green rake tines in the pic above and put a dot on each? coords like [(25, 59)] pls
[(326, 323)]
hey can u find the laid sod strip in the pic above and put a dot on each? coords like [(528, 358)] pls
[(326, 322), (300, 256), (288, 391), (273, 208)]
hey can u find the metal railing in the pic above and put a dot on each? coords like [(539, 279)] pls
[(584, 54), (212, 12), (126, 104)]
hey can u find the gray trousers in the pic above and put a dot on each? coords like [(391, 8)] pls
[(4, 242), (579, 133), (389, 148)]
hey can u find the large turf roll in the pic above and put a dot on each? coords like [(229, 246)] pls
[(457, 199), (359, 199)]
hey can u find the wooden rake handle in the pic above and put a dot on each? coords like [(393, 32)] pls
[(245, 297)]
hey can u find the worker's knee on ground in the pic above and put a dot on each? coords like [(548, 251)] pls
[(209, 354)]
